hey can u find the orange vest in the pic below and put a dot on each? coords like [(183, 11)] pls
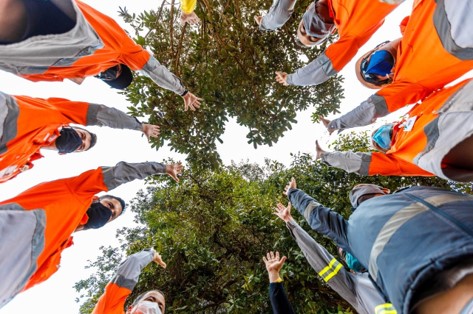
[(407, 145), (356, 22), (422, 63), (112, 300), (118, 48), (65, 203), (37, 126)]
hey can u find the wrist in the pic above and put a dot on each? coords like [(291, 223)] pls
[(274, 277), (185, 93)]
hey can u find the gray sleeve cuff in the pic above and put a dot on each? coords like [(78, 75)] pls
[(105, 116), (126, 172), (130, 269), (364, 114), (162, 76), (316, 72), (348, 161)]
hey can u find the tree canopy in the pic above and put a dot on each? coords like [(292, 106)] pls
[(229, 63), (214, 227)]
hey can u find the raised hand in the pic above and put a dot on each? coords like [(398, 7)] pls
[(191, 101)]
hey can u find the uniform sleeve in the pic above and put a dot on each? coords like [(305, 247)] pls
[(279, 300), (390, 165), (125, 172), (162, 76), (278, 14), (349, 161), (105, 116), (331, 61), (314, 73), (69, 111), (364, 114), (320, 218), (388, 99), (327, 267), (188, 6), (122, 284)]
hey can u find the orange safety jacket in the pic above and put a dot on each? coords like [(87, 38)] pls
[(36, 225), (27, 124), (96, 43), (356, 22), (64, 203), (36, 124), (425, 62), (414, 137), (121, 286), (118, 48)]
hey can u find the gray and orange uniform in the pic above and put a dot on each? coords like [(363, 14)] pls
[(356, 22), (95, 44), (356, 288), (388, 236), (36, 225), (27, 124), (436, 48), (421, 140), (122, 284)]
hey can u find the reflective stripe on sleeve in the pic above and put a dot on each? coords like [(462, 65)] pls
[(331, 270), (386, 308)]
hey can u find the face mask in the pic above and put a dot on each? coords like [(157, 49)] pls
[(353, 263), (314, 25), (98, 214), (382, 136), (68, 141), (146, 307)]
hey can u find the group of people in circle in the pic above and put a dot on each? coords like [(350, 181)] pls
[(427, 231)]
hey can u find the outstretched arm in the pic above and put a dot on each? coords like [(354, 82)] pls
[(349, 161), (101, 115), (125, 172), (126, 278), (277, 16), (277, 294), (166, 79), (320, 218), (326, 266)]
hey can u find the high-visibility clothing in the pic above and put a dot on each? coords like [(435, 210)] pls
[(36, 225), (95, 44), (427, 59), (27, 124), (121, 286), (421, 139), (356, 288), (188, 6), (389, 237), (356, 22)]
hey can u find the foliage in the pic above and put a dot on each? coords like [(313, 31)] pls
[(214, 227), (229, 63)]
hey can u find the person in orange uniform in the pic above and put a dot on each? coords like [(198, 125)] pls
[(436, 48), (121, 286), (356, 22), (28, 124), (76, 42), (434, 138), (36, 225)]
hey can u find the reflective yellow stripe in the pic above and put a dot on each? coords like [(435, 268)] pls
[(333, 273), (327, 268), (386, 308), (331, 270)]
